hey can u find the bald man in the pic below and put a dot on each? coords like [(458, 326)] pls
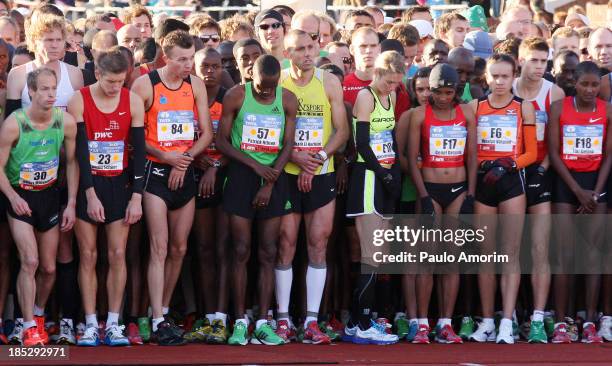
[(129, 36), (102, 41), (462, 60), (600, 48)]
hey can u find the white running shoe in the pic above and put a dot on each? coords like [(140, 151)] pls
[(605, 328), (376, 334), (16, 335), (484, 334), (505, 335), (66, 333)]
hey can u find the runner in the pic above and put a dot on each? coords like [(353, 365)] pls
[(256, 133), (29, 157), (112, 118), (311, 178), (171, 97)]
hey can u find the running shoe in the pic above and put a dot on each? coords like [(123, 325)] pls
[(525, 328), (53, 331), (40, 324), (285, 331), (573, 328), (3, 339), (188, 322), (549, 325), (201, 333), (80, 330), (467, 327), (605, 328), (326, 328), (16, 335), (349, 333), (66, 333), (314, 335), (102, 329), (265, 335), (402, 326), (32, 338), (144, 328), (91, 338), (422, 335), (239, 336), (515, 330), (336, 325), (168, 334), (560, 334), (413, 328), (114, 336), (133, 334), (271, 322), (505, 334), (537, 333), (447, 335), (376, 334), (589, 333), (218, 334), (483, 334)]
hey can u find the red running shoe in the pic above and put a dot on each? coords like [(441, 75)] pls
[(560, 334), (133, 334), (40, 327), (589, 334), (313, 335), (32, 338), (447, 335), (422, 336), (336, 325), (285, 331)]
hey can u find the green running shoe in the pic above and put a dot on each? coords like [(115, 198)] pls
[(219, 332), (402, 327), (144, 329), (467, 327), (239, 337), (537, 334), (265, 335), (329, 331), (200, 332), (549, 326)]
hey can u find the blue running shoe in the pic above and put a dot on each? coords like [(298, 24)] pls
[(114, 336), (90, 338), (412, 331), (349, 333), (376, 334)]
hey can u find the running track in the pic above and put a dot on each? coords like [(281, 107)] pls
[(433, 354)]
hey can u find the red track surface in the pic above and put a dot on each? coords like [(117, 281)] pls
[(433, 354)]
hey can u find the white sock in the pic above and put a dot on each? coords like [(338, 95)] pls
[(28, 325), (221, 316), (414, 320), (113, 319), (489, 323), (39, 311), (165, 310), (284, 278), (91, 320), (249, 314), (424, 321), (444, 321), (315, 284), (399, 315), (243, 321), (271, 313), (260, 322), (538, 316), (210, 317), (155, 322), (505, 324)]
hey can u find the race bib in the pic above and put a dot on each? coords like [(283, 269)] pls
[(541, 121), (106, 155), (212, 147), (261, 133), (447, 140), (38, 176), (175, 126), (497, 133), (382, 145), (309, 134), (583, 140)]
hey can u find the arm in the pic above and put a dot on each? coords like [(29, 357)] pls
[(554, 136), (530, 154), (137, 139), (14, 85), (402, 131), (557, 94), (606, 164), (604, 90), (414, 147), (333, 89), (76, 77), (201, 100), (72, 172), (9, 135), (362, 110), (471, 152), (290, 106)]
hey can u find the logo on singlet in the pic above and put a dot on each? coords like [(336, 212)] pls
[(163, 99), (593, 120), (511, 112), (275, 110)]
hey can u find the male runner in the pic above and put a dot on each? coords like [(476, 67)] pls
[(110, 117), (270, 29), (365, 47), (246, 52), (256, 134), (171, 98), (312, 180), (30, 145)]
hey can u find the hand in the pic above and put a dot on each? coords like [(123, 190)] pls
[(20, 206), (506, 163), (133, 212), (262, 198), (68, 219), (95, 210), (494, 175), (427, 207), (391, 184), (587, 202), (206, 188), (268, 173), (306, 161), (202, 162), (467, 207), (176, 179), (341, 177), (177, 160), (304, 182)]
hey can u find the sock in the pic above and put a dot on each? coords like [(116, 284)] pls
[(243, 321), (399, 315), (316, 275), (423, 321), (444, 321), (488, 322), (363, 300), (0, 321), (270, 314), (505, 324), (165, 310), (413, 320), (260, 322), (210, 317), (91, 320), (223, 318), (249, 314), (581, 314), (309, 319), (113, 319), (38, 311), (28, 325), (155, 322), (68, 289), (538, 316), (284, 278)]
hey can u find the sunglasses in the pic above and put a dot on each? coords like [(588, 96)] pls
[(215, 38), (265, 27), (347, 60), (584, 51), (314, 36)]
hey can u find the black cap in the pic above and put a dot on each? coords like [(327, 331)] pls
[(392, 45), (268, 14), (167, 26), (443, 75)]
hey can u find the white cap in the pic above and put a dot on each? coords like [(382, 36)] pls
[(424, 27)]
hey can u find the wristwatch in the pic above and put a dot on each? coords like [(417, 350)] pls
[(541, 170), (216, 164), (187, 153), (322, 154)]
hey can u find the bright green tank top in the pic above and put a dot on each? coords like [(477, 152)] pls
[(382, 123), (34, 161), (258, 129), (314, 123)]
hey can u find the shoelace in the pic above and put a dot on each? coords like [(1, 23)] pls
[(65, 328), (381, 328), (115, 331), (90, 332)]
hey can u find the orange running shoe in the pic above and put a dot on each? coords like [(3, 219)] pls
[(40, 326), (32, 338)]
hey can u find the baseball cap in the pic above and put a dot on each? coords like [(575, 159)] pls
[(268, 14), (443, 75), (424, 28), (577, 16), (392, 45), (479, 43)]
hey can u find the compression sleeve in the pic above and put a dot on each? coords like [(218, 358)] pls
[(11, 106), (82, 153), (531, 147), (362, 142), (137, 137)]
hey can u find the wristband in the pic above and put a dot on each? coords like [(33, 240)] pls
[(323, 154)]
